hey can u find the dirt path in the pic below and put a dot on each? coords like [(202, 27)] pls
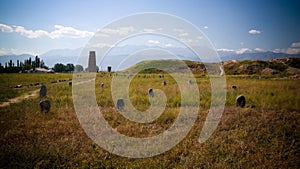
[(31, 94)]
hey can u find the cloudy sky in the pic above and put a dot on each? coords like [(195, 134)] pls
[(35, 26)]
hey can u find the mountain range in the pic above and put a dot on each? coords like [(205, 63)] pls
[(70, 55), (14, 58), (226, 56)]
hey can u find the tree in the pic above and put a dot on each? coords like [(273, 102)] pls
[(42, 64), (69, 68), (78, 68), (37, 61), (10, 64), (29, 61), (33, 65), (26, 65), (12, 67), (59, 67), (1, 68)]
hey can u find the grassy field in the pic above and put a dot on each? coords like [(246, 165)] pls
[(264, 134)]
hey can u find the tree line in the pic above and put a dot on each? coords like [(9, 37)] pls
[(59, 67), (29, 65), (26, 65)]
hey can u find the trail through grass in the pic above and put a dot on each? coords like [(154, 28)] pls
[(18, 99)]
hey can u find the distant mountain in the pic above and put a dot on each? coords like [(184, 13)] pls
[(117, 54), (226, 56), (50, 58), (14, 58), (60, 56), (184, 54)]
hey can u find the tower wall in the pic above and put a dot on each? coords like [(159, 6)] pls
[(92, 62)]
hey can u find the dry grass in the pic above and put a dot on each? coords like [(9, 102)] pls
[(266, 136)]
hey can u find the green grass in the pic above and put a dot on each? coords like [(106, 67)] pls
[(28, 81), (265, 136)]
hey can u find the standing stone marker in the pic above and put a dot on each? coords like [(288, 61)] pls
[(120, 104), (43, 91), (108, 68), (150, 92), (164, 83), (233, 87), (240, 101), (45, 106)]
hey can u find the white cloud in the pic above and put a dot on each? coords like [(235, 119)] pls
[(153, 41), (29, 33), (295, 45), (259, 50), (243, 50), (69, 32), (237, 51), (205, 27), (199, 37), (188, 40), (59, 32), (6, 28), (100, 45), (168, 45), (121, 31), (12, 51), (126, 30), (254, 31), (93, 45), (152, 30), (183, 34), (178, 30), (294, 48), (101, 35), (225, 50), (277, 50), (293, 51)]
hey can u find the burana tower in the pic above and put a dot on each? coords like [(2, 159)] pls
[(92, 62)]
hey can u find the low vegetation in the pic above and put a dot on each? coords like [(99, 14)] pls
[(285, 67), (264, 134)]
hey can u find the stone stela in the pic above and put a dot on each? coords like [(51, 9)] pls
[(43, 91)]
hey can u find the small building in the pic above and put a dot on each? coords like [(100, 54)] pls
[(40, 70)]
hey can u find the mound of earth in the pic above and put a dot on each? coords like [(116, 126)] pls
[(284, 67)]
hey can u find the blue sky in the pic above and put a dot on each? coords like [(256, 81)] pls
[(35, 26)]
